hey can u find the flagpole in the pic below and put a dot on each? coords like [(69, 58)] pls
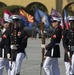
[(43, 42)]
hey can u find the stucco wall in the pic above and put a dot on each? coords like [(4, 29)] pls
[(48, 3)]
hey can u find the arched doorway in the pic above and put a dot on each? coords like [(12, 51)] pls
[(31, 7), (70, 8), (70, 1), (2, 5)]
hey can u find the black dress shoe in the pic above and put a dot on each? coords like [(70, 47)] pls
[(18, 74)]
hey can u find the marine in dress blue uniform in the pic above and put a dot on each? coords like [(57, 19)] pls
[(4, 62), (53, 49), (19, 45), (68, 43)]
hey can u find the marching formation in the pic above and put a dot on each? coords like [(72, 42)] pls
[(14, 40)]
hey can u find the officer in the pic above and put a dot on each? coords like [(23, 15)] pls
[(3, 53), (68, 43), (53, 49), (18, 44)]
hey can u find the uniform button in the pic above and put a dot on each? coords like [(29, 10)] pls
[(70, 40)]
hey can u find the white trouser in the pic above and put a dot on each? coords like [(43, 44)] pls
[(12, 66), (19, 59), (72, 64), (4, 63), (68, 68), (51, 63), (16, 65)]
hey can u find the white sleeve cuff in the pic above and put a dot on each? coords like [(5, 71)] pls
[(68, 54), (8, 55)]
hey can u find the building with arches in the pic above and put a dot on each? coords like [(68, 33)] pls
[(46, 4)]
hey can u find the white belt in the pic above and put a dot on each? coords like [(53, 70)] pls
[(13, 47), (3, 53), (56, 43)]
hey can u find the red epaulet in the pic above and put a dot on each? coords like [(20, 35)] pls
[(54, 36), (4, 36)]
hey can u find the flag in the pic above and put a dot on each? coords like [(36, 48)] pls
[(65, 19), (54, 13), (29, 17), (37, 17), (40, 16), (23, 21), (7, 14), (27, 23)]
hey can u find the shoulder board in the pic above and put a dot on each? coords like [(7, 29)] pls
[(4, 36), (54, 36)]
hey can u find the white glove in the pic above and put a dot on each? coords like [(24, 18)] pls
[(68, 54), (8, 56), (43, 45)]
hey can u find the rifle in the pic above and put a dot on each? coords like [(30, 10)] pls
[(13, 42), (43, 42)]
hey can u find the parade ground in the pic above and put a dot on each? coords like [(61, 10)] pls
[(31, 64)]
